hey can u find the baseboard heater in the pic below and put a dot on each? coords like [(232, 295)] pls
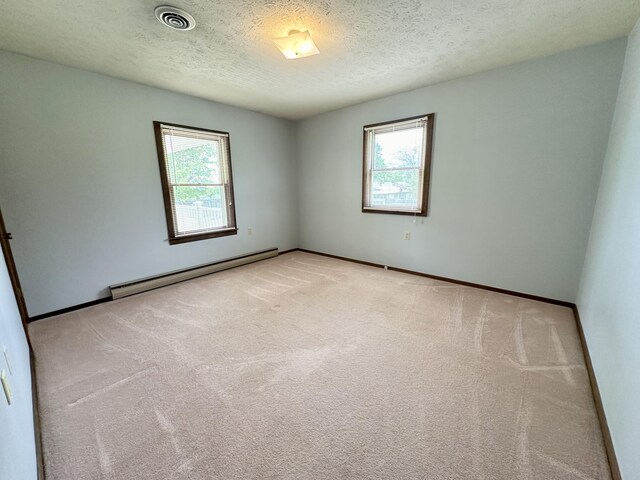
[(142, 285)]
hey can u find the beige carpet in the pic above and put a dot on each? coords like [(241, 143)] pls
[(305, 367)]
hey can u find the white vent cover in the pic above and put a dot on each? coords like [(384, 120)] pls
[(174, 18)]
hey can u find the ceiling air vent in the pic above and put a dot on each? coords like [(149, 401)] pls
[(175, 18)]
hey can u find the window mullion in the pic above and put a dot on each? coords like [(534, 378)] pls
[(197, 184)]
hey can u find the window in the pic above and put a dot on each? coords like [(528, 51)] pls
[(195, 170), (397, 162)]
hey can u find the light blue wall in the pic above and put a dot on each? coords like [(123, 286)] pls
[(516, 164), (80, 183), (17, 445), (609, 296), (517, 160)]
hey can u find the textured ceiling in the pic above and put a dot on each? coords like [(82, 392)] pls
[(368, 48)]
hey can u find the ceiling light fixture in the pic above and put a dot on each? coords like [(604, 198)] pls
[(296, 45), (174, 18)]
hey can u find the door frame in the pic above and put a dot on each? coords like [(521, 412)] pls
[(5, 237)]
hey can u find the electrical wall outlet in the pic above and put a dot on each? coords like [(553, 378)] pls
[(6, 387), (407, 235), (249, 231)]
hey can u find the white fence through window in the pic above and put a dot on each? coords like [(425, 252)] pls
[(198, 217)]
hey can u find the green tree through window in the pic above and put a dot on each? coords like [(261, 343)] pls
[(195, 165)]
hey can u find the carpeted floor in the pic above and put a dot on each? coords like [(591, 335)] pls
[(305, 367)]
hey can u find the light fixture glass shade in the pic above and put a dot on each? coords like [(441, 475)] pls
[(296, 45)]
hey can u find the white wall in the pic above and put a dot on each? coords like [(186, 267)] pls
[(80, 184), (517, 158), (17, 443), (609, 296)]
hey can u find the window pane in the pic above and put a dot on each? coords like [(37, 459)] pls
[(402, 148), (193, 160), (395, 188), (199, 208)]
